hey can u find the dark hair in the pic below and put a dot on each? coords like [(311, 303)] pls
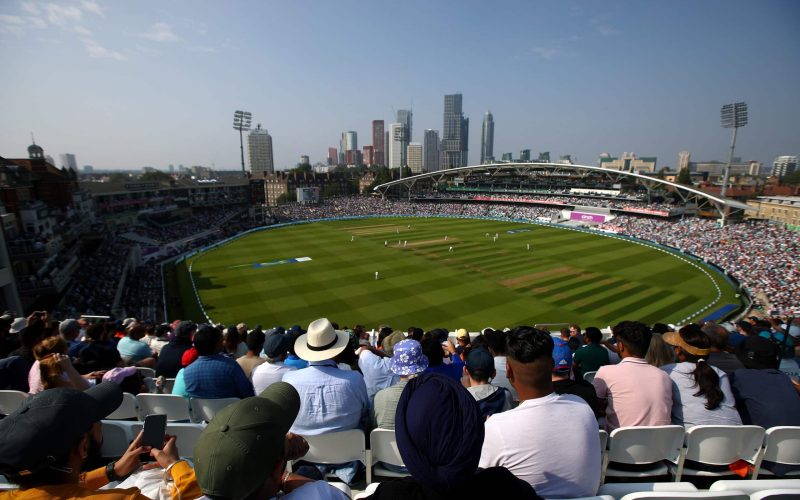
[(96, 331), (635, 335), (496, 340), (479, 341), (564, 333), (231, 339), (293, 336), (574, 344), (526, 344), (255, 341), (383, 334), (415, 333), (163, 330), (593, 335), (206, 340), (660, 328), (432, 348), (705, 378), (744, 325)]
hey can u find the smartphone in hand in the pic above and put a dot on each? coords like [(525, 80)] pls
[(155, 426)]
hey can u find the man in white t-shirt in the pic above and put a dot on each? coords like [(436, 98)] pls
[(496, 340), (276, 349), (550, 441)]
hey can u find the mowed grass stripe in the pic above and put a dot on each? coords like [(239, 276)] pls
[(427, 285)]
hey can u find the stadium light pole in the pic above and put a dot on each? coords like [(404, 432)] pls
[(733, 116), (241, 122)]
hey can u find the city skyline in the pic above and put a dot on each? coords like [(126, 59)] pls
[(129, 85)]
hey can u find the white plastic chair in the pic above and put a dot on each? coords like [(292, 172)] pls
[(777, 494), (643, 445), (169, 383), (719, 445), (127, 408), (781, 445), (5, 485), (589, 376), (11, 400), (176, 408), (383, 448), (678, 495), (116, 439), (619, 490), (186, 436), (337, 447), (146, 372), (203, 410), (754, 485)]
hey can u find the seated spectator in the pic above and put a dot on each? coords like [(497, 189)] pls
[(590, 357), (157, 336), (331, 399), (659, 353), (243, 451), (47, 441), (439, 349), (743, 330), (255, 342), (407, 362), (575, 333), (462, 338), (8, 341), (496, 341), (764, 395), (633, 392), (276, 349), (132, 350), (169, 361), (127, 378), (292, 359), (232, 342), (439, 436), (479, 372), (14, 374), (69, 329), (701, 393), (557, 464), (719, 357), (99, 353), (375, 364), (53, 368), (213, 375), (563, 384)]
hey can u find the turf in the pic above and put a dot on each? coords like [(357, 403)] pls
[(566, 276)]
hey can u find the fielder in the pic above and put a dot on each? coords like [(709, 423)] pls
[(376, 275)]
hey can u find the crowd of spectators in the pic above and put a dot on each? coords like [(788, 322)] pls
[(432, 392), (566, 199), (201, 219), (762, 257)]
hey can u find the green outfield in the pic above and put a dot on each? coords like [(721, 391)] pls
[(565, 276)]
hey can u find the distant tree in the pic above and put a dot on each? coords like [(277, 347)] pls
[(287, 198), (684, 177), (155, 176), (662, 172), (330, 190), (118, 177), (792, 179)]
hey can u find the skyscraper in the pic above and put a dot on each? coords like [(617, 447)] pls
[(377, 142), (397, 145), (784, 165), (259, 146), (333, 156), (525, 155), (684, 157), (455, 145), (487, 138), (368, 155), (68, 161), (414, 155), (430, 162), (405, 116)]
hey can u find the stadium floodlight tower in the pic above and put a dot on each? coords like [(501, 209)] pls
[(241, 122), (733, 116)]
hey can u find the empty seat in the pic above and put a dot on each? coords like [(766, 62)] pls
[(619, 490), (678, 495), (719, 445), (116, 439), (640, 446), (383, 448), (128, 409), (777, 494), (589, 376), (11, 400), (176, 408), (146, 372), (754, 485), (337, 447), (781, 446), (203, 410)]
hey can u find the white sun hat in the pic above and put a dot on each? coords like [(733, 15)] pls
[(321, 342)]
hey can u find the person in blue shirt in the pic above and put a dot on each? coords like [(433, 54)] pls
[(132, 350), (213, 375), (332, 399), (435, 344)]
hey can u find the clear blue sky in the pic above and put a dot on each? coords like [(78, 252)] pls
[(126, 84)]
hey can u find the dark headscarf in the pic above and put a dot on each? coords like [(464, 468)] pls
[(439, 431)]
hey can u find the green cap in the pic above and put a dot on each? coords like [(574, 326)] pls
[(243, 442)]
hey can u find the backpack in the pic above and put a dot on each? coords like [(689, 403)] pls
[(493, 403)]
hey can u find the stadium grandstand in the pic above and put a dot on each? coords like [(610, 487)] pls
[(91, 276)]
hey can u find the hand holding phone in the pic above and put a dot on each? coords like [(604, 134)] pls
[(155, 426)]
